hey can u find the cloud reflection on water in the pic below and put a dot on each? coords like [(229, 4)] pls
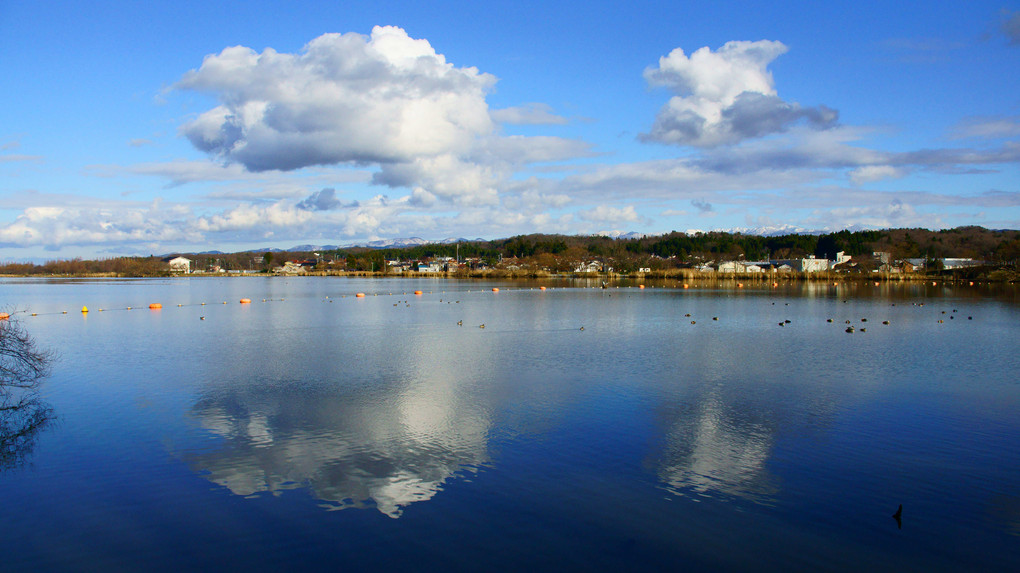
[(710, 449), (386, 451)]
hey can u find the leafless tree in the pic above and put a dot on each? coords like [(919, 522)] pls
[(23, 365)]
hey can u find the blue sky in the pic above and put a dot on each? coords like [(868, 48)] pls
[(153, 127)]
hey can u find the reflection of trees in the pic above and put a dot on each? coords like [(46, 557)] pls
[(349, 450), (22, 415)]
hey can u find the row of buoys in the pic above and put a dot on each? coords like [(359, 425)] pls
[(152, 306)]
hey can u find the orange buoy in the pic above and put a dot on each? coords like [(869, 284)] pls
[(360, 295), (641, 286), (4, 316), (417, 292), (494, 289), (687, 285), (740, 285), (245, 301), (155, 306), (541, 288)]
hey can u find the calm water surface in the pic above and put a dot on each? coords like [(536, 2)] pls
[(320, 431)]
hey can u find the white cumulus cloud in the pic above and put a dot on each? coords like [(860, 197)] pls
[(385, 101), (725, 97), (345, 98), (54, 226)]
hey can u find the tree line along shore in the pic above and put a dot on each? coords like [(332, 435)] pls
[(894, 254)]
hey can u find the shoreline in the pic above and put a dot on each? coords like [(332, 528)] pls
[(998, 276)]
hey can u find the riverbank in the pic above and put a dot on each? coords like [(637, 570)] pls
[(971, 275)]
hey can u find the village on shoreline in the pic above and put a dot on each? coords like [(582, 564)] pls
[(966, 254)]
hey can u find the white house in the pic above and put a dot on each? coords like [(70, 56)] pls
[(813, 265), (180, 265), (959, 263), (739, 267), (291, 268)]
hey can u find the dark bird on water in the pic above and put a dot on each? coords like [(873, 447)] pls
[(898, 516)]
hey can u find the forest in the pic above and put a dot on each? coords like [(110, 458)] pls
[(562, 253)]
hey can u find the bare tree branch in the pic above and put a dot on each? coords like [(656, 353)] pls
[(22, 414), (22, 363)]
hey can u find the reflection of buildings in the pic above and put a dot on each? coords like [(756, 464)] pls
[(350, 450), (716, 449)]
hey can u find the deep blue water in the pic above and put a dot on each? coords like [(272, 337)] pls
[(320, 431)]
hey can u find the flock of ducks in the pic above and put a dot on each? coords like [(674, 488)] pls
[(850, 329)]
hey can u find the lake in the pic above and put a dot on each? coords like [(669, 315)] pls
[(580, 429)]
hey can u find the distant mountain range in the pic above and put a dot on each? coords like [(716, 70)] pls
[(402, 243), (777, 230), (405, 242)]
